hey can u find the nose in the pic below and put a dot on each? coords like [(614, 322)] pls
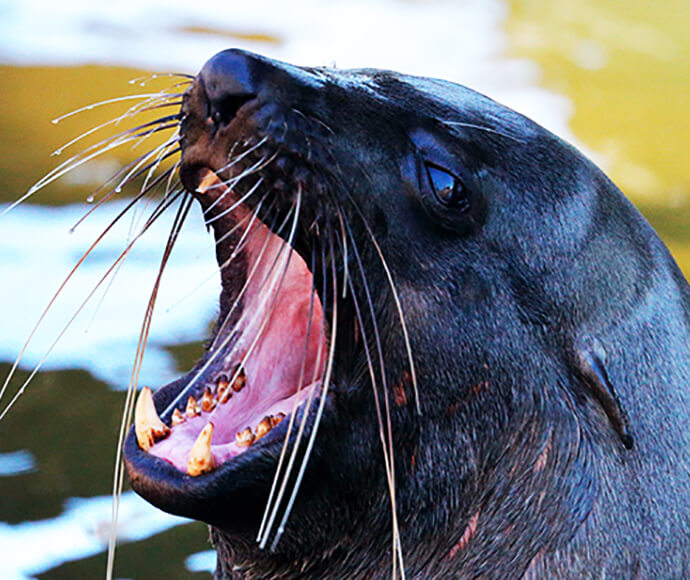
[(233, 77)]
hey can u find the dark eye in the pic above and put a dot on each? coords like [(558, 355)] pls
[(449, 190)]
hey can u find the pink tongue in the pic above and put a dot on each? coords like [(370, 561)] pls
[(272, 349)]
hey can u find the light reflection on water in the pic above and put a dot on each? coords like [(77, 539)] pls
[(80, 531), (461, 40), (18, 462), (103, 339)]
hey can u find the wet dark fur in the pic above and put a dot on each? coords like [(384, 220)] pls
[(548, 323)]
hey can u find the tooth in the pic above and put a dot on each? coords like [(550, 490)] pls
[(147, 424), (192, 409), (201, 459), (239, 382), (224, 393), (245, 438), (277, 418), (264, 426), (207, 181), (207, 401), (177, 417), (221, 385)]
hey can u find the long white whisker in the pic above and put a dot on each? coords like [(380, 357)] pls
[(386, 442), (158, 153), (21, 390), (250, 277), (106, 102), (398, 306), (118, 476), (216, 350), (66, 167), (164, 149), (167, 173), (268, 520), (238, 225), (235, 204), (319, 412)]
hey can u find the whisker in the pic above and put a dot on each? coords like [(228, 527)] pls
[(92, 106), (135, 169), (114, 121), (165, 151), (232, 230), (233, 181), (293, 415), (241, 223), (158, 152), (236, 159), (59, 291), (387, 439), (162, 206), (271, 291), (125, 136), (245, 234), (234, 205), (163, 126), (146, 78), (118, 477), (143, 192), (396, 299), (72, 164), (111, 281), (319, 411), (227, 339), (266, 520), (174, 180), (344, 251), (255, 267)]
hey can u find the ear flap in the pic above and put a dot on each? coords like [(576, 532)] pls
[(590, 359)]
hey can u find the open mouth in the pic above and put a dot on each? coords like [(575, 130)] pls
[(265, 360)]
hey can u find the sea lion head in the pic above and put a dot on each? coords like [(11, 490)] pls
[(428, 296)]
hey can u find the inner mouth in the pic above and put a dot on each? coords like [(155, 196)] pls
[(266, 357)]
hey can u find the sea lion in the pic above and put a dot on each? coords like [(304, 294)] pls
[(485, 344)]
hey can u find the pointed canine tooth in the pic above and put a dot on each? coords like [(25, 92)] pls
[(277, 418), (240, 381), (264, 426), (207, 181), (245, 438), (192, 409), (147, 424), (201, 459), (178, 417), (208, 403)]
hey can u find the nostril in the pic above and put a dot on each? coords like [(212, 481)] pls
[(224, 110)]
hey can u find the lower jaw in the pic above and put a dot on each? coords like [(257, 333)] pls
[(232, 438)]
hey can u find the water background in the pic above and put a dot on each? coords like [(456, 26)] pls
[(612, 78)]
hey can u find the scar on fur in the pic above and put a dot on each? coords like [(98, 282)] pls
[(466, 536), (399, 390), (540, 463)]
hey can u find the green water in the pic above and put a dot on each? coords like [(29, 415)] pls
[(626, 67)]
